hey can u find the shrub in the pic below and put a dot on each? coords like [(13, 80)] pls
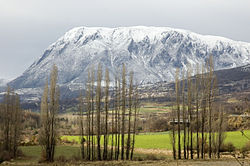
[(61, 158), (75, 157), (43, 156), (137, 158), (5, 156), (66, 141), (245, 148), (228, 147), (35, 132), (73, 142), (20, 153), (160, 125), (152, 156)]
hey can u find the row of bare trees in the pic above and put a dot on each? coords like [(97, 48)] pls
[(197, 115), (108, 117), (107, 121), (10, 123)]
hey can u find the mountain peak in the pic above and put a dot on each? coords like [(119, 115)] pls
[(153, 53)]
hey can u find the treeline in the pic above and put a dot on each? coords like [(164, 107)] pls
[(197, 115), (10, 125), (108, 120)]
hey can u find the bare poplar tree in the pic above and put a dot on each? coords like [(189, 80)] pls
[(10, 124), (81, 124), (177, 88), (16, 124), (7, 114), (196, 92), (190, 131), (92, 113), (220, 132), (98, 110), (136, 112), (44, 134), (49, 110), (54, 108), (119, 116), (130, 114), (210, 98), (204, 98), (88, 111), (116, 116), (123, 109), (112, 132), (184, 116), (118, 97), (105, 150), (173, 134)]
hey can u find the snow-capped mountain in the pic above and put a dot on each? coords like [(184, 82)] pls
[(153, 53)]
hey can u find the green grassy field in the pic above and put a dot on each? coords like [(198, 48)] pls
[(156, 109), (162, 140), (145, 141), (34, 152)]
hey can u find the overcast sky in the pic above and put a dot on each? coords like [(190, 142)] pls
[(28, 27)]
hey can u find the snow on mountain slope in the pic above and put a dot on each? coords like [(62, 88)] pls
[(153, 53)]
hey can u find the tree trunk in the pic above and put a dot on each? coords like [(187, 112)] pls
[(119, 118), (197, 110), (123, 109), (184, 117), (98, 107), (105, 151), (177, 85), (173, 139), (92, 114), (136, 104), (129, 116)]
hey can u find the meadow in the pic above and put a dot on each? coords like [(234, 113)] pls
[(162, 140), (146, 143), (33, 153)]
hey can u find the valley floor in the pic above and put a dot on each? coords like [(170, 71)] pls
[(144, 153), (147, 157)]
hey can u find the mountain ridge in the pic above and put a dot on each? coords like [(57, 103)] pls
[(152, 53)]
